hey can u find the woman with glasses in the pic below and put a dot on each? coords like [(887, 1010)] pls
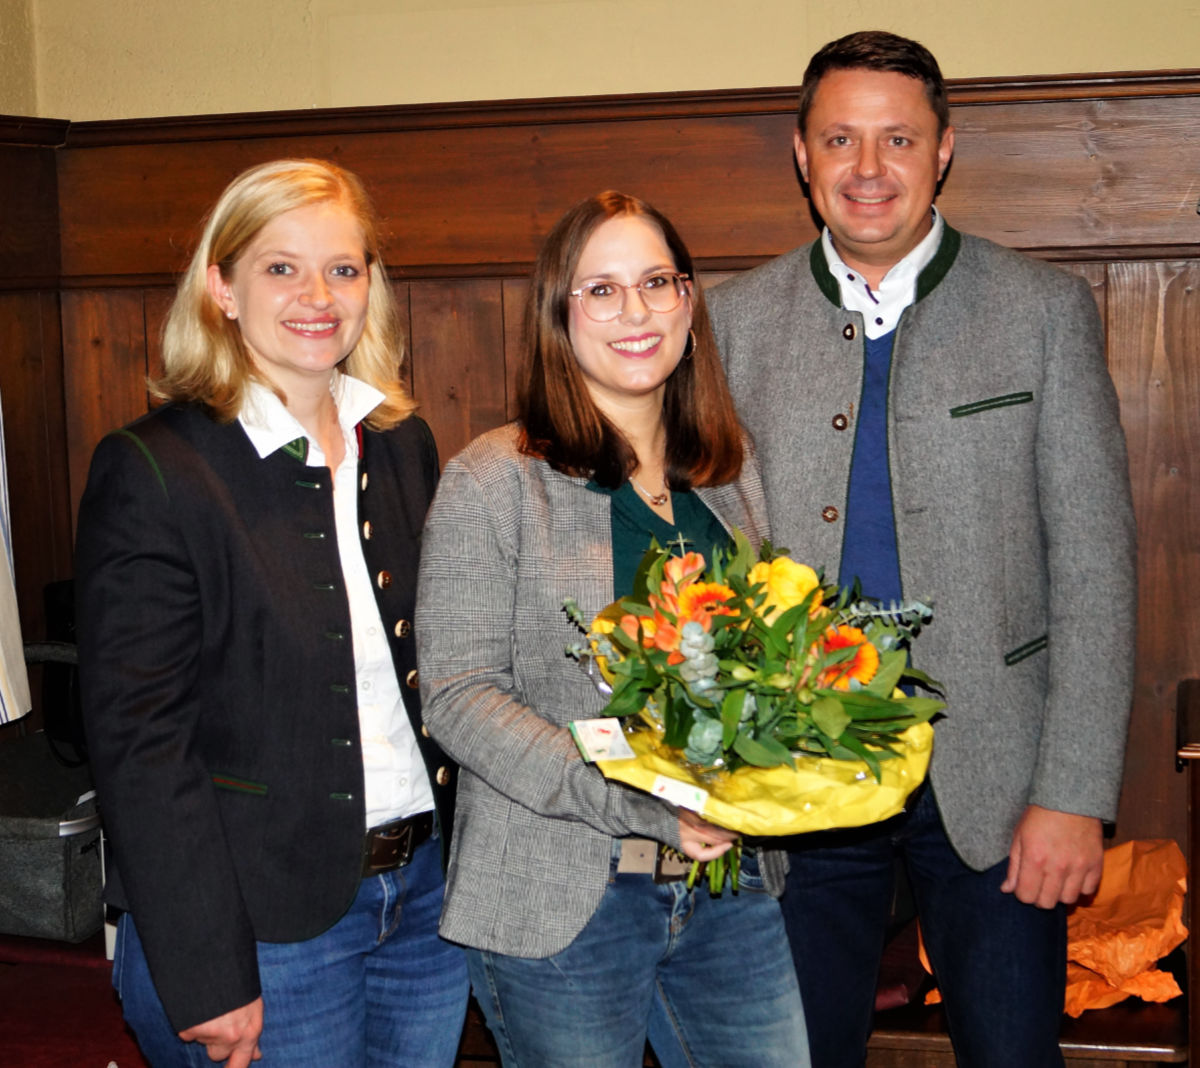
[(568, 890)]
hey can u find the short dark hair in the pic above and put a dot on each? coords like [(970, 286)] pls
[(876, 50), (561, 423)]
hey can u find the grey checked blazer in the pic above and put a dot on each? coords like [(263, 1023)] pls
[(1011, 492), (506, 540)]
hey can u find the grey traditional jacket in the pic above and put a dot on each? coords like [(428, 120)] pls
[(1011, 494), (507, 539)]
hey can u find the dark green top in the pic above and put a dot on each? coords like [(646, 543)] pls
[(634, 524)]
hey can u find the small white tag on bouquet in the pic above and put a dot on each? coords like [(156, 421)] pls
[(600, 739), (679, 794)]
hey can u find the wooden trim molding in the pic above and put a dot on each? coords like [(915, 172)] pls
[(44, 133), (721, 103)]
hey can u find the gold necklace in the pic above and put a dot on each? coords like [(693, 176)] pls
[(656, 499)]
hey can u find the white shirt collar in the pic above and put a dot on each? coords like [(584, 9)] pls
[(270, 426), (882, 307)]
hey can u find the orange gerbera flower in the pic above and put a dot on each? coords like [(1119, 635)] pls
[(700, 601), (861, 666)]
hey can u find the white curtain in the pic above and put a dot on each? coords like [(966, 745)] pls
[(14, 680)]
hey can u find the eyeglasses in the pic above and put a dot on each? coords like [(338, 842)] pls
[(604, 301)]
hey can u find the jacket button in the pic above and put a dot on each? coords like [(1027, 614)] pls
[(363, 482), (424, 731), (443, 775), (840, 422), (412, 680), (384, 579), (829, 513), (403, 628), (367, 531), (848, 331)]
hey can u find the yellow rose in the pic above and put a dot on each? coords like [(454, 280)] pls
[(787, 584)]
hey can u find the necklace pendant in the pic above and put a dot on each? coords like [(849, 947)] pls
[(657, 500)]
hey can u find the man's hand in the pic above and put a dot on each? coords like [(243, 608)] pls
[(702, 840), (1055, 856), (232, 1038)]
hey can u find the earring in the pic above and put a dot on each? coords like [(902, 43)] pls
[(230, 315), (690, 348)]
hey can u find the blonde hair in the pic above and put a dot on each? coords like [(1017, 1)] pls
[(204, 355)]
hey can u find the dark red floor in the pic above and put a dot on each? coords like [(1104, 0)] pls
[(57, 1007)]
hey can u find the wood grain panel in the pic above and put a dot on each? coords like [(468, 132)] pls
[(156, 303), (35, 449), (401, 291), (29, 247), (458, 358), (475, 198), (104, 365), (1153, 342), (1103, 173), (515, 291)]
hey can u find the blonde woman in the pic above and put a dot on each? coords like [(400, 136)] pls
[(247, 562)]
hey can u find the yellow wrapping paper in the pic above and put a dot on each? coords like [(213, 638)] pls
[(819, 793)]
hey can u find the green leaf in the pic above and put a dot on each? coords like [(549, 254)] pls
[(864, 754), (891, 667), (761, 752), (731, 715), (742, 557), (648, 577), (829, 715)]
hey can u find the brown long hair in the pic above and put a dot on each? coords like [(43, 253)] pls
[(562, 424)]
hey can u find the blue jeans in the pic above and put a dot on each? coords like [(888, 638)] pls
[(708, 979), (1000, 964), (378, 988)]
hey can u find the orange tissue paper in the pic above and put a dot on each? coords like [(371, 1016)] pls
[(1115, 940)]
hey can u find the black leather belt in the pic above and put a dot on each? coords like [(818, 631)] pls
[(391, 845)]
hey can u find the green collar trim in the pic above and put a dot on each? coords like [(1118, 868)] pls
[(938, 267), (823, 276), (298, 449), (935, 270)]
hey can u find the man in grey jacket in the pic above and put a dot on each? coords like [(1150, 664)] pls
[(935, 419)]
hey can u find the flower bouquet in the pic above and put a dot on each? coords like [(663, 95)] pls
[(756, 696)]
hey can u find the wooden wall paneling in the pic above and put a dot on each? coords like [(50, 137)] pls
[(1103, 173), (104, 365), (29, 235), (401, 291), (1153, 343), (35, 448), (515, 291), (156, 303), (472, 188), (458, 358)]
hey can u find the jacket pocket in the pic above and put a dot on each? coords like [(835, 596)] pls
[(1006, 400)]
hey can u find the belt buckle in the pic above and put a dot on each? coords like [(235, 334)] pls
[(394, 842)]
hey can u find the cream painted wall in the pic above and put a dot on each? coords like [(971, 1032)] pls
[(135, 58), (18, 85)]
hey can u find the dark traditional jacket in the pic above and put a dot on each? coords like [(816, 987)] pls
[(218, 677)]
